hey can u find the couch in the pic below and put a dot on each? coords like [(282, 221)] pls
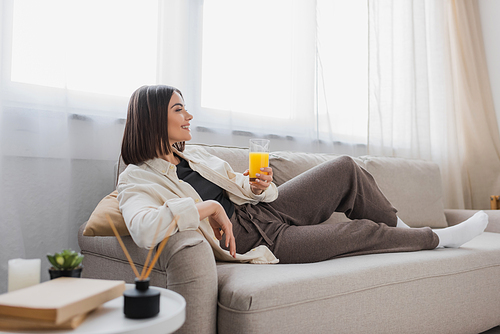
[(439, 291)]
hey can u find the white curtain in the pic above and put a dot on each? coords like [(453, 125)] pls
[(342, 74), (68, 68), (246, 69), (61, 121), (430, 95), (270, 68)]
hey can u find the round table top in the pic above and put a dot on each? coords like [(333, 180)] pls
[(109, 317)]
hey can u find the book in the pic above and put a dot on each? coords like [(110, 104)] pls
[(60, 299), (16, 323)]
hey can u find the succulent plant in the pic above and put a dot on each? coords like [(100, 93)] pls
[(65, 260)]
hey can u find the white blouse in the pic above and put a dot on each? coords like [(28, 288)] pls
[(152, 194)]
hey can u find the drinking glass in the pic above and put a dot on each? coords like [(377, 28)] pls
[(258, 157)]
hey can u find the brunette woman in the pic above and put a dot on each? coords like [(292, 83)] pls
[(248, 221)]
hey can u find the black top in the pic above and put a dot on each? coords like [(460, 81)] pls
[(206, 189)]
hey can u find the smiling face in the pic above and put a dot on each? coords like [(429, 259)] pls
[(178, 120)]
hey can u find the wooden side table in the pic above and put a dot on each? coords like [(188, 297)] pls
[(495, 202), (109, 318)]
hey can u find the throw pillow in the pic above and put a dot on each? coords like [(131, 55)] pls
[(413, 187), (98, 223)]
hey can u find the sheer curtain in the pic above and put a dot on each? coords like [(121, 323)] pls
[(474, 103), (68, 68), (295, 71), (252, 68), (246, 69), (430, 96), (342, 74), (66, 74)]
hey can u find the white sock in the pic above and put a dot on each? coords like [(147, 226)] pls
[(401, 224), (457, 235)]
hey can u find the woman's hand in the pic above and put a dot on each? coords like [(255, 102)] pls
[(262, 181), (219, 222)]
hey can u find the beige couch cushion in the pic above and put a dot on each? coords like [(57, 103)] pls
[(237, 157), (287, 165), (412, 186), (423, 287)]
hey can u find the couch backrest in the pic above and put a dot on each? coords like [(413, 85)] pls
[(412, 186)]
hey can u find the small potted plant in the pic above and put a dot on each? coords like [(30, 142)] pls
[(65, 264)]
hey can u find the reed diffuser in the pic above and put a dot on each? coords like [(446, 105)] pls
[(143, 302)]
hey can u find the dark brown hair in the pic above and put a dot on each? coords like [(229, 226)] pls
[(146, 130)]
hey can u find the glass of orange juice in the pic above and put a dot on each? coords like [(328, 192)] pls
[(258, 157)]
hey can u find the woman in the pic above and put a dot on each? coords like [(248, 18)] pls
[(248, 221)]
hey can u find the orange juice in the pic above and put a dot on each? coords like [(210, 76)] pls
[(257, 161)]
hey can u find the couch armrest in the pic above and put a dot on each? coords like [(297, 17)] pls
[(455, 216), (186, 266)]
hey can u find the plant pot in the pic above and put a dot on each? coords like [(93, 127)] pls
[(56, 273)]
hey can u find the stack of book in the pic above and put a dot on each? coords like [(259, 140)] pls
[(61, 303)]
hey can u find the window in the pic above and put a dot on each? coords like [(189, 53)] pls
[(247, 57), (106, 47), (342, 85), (291, 68), (287, 64), (257, 58)]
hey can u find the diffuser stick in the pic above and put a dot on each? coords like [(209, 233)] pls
[(149, 253), (173, 224), (123, 246)]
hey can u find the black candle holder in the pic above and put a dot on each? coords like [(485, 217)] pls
[(141, 302)]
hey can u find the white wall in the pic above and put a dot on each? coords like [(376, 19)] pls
[(44, 202), (489, 11), (45, 197)]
